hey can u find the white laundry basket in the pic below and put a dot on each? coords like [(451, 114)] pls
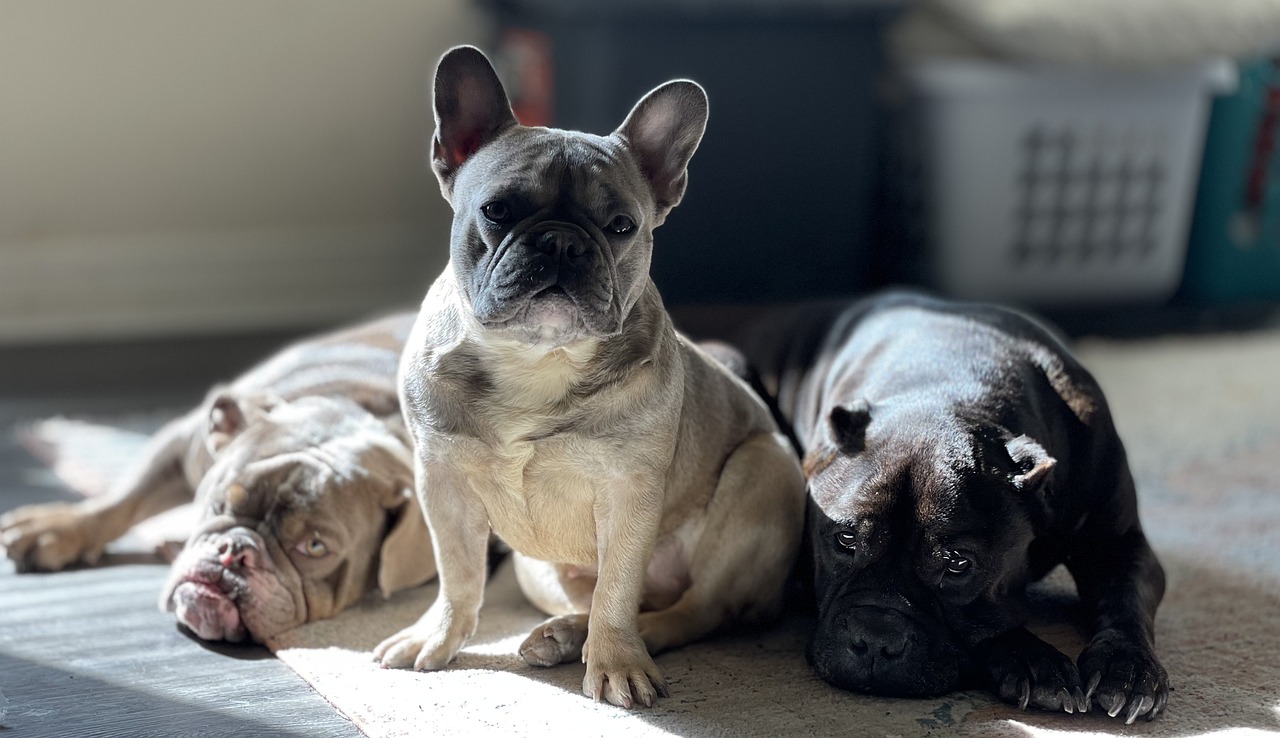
[(1054, 187)]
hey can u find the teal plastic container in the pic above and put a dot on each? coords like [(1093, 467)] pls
[(1233, 254)]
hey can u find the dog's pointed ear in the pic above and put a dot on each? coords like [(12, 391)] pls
[(471, 109), (662, 132), (847, 425), (1031, 462)]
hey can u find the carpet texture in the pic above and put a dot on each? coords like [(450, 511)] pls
[(1201, 420)]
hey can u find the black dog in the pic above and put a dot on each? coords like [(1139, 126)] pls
[(956, 452)]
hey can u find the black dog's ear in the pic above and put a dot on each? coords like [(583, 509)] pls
[(848, 426), (471, 109), (662, 131), (1031, 461)]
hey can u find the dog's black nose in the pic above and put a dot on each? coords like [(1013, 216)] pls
[(878, 633), (557, 243)]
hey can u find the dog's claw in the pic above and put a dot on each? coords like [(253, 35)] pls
[(1068, 704), (1081, 701), (1093, 686), (1138, 707)]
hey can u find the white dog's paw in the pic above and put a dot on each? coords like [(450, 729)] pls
[(556, 641), (427, 645), (621, 672)]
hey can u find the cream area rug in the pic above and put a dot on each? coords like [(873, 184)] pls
[(1201, 419)]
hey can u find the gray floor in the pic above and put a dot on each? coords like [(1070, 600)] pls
[(87, 652)]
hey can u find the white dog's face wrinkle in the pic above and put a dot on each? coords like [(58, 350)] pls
[(575, 186)]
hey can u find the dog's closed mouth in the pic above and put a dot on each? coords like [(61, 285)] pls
[(209, 612)]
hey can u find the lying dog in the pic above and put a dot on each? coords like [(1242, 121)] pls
[(300, 470), (550, 398), (956, 452)]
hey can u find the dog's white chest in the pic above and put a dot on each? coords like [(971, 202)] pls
[(542, 502)]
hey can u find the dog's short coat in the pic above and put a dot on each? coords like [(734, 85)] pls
[(550, 398)]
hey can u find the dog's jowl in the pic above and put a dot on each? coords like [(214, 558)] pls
[(647, 492), (956, 452)]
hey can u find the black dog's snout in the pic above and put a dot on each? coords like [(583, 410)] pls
[(879, 633), (558, 243)]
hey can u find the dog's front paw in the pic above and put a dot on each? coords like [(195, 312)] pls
[(556, 641), (50, 537), (427, 645), (620, 671), (1025, 671), (1123, 671)]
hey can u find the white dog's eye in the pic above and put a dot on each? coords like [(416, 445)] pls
[(621, 224), (312, 548)]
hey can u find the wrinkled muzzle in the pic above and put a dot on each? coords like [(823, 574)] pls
[(224, 587), (552, 283)]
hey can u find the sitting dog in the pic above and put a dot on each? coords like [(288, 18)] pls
[(956, 452), (301, 473), (549, 397)]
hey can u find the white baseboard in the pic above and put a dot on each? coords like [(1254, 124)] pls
[(166, 284)]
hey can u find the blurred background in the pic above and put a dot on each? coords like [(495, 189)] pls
[(184, 184)]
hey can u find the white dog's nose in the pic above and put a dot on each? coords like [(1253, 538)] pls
[(237, 551)]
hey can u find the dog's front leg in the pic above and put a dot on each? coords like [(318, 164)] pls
[(1122, 582), (459, 536), (619, 667), (53, 536)]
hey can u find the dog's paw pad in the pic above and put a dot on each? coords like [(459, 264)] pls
[(556, 641)]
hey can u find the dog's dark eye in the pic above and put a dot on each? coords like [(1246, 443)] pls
[(496, 212), (847, 539), (621, 225), (957, 564)]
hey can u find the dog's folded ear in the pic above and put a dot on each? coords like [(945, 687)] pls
[(662, 132), (406, 559), (1031, 462), (846, 435), (848, 426), (471, 109), (229, 414)]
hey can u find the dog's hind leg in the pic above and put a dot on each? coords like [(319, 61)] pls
[(741, 561), (565, 594)]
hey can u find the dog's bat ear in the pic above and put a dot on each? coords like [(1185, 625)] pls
[(662, 131), (471, 109), (848, 426), (1031, 462), (406, 559)]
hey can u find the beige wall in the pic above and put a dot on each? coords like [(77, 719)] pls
[(179, 166)]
